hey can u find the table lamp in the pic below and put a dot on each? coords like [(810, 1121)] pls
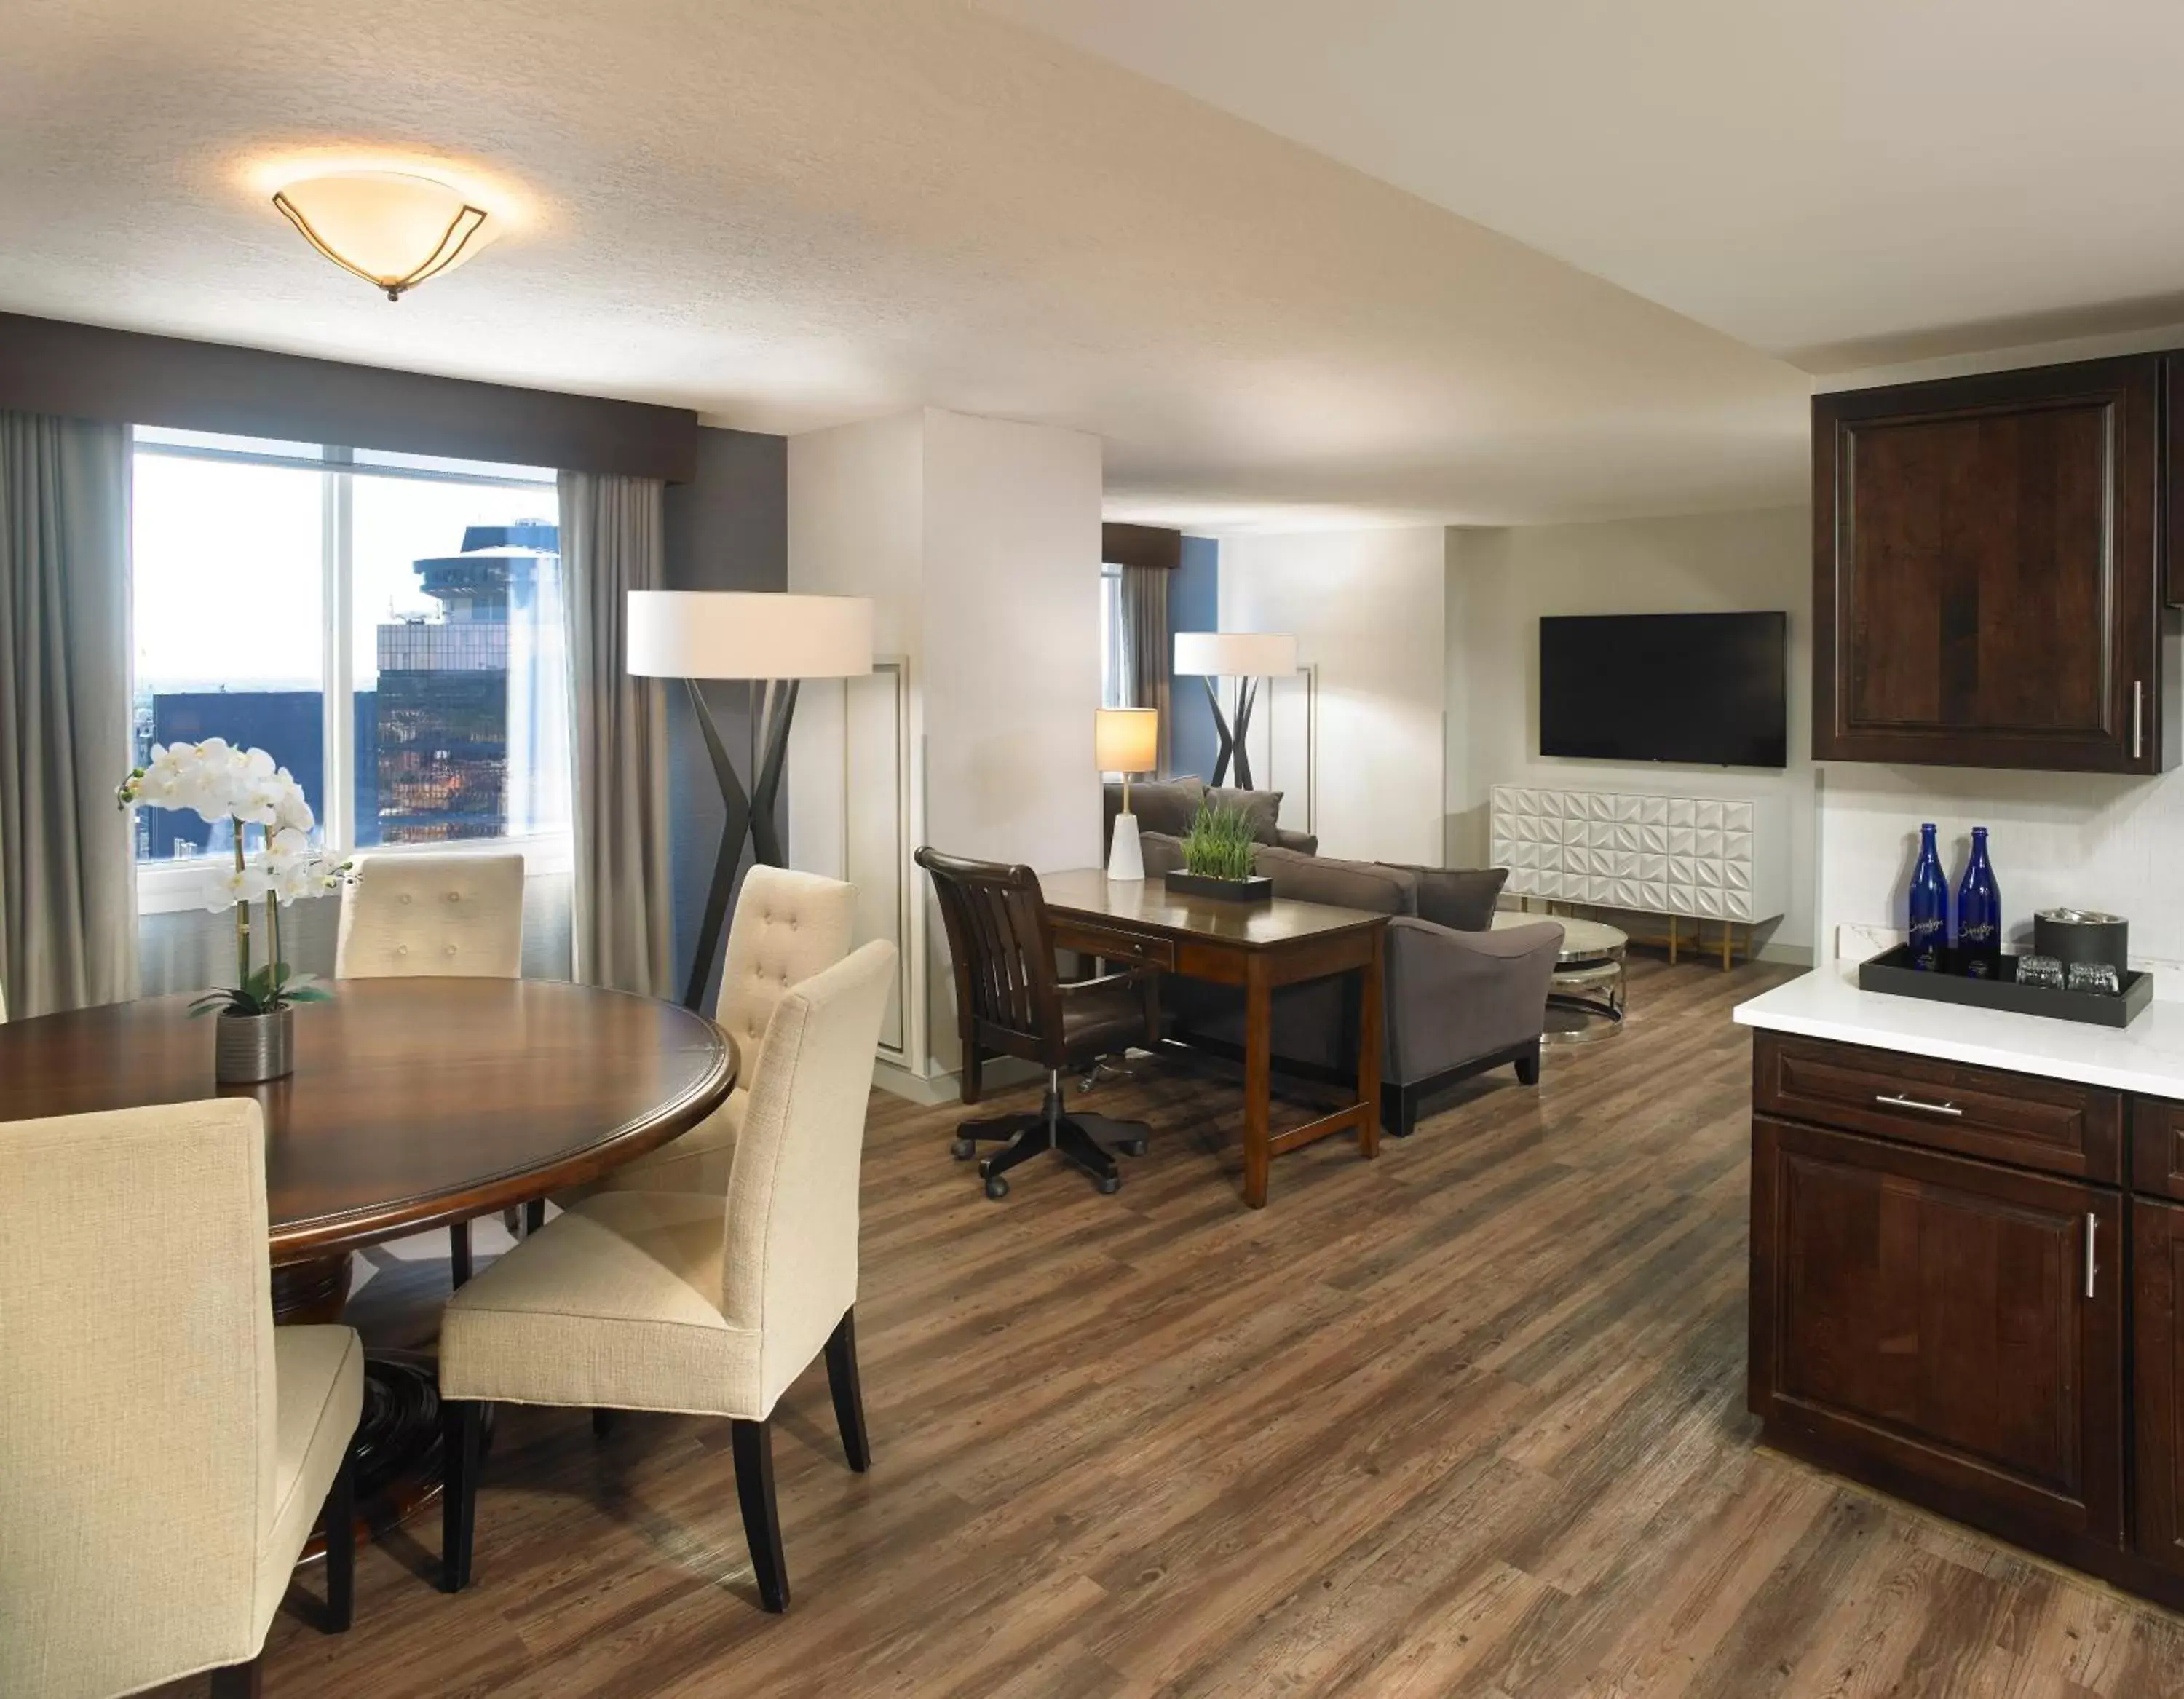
[(1246, 657), (763, 637), (1125, 741)]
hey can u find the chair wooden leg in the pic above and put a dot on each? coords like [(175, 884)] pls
[(240, 1681), (534, 1216), (753, 1445), (340, 1522), (459, 1255), (461, 1420), (1528, 1066), (849, 1392)]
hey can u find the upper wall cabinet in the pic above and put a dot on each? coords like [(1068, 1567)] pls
[(1984, 578)]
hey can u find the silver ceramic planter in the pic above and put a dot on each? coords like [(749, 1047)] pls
[(251, 1048)]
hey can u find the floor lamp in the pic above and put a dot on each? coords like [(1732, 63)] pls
[(772, 641), (1246, 657)]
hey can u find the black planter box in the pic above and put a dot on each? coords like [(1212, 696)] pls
[(1258, 889), (1892, 971)]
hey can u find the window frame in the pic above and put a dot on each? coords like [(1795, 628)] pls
[(175, 887)]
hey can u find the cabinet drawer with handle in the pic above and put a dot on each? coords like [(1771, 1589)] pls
[(1123, 949), (2054, 1126)]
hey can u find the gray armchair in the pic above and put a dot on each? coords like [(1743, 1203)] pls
[(1458, 998)]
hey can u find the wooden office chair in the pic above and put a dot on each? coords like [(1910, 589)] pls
[(1010, 1001)]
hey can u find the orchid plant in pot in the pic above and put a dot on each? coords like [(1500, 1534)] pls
[(217, 781)]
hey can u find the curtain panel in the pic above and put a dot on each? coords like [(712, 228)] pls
[(611, 543), (68, 873), (1147, 642)]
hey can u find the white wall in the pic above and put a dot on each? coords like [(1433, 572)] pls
[(1501, 581), (978, 541), (1366, 609)]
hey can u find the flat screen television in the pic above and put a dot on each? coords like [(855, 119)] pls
[(1705, 689)]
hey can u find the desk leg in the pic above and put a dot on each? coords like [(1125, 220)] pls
[(1258, 1077), (1369, 1018)]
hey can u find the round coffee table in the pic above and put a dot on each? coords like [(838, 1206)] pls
[(1586, 1001)]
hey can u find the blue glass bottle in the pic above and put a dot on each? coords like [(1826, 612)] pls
[(1979, 914), (1929, 905)]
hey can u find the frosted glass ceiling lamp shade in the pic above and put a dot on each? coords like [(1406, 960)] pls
[(759, 637), (1235, 654), (748, 634), (393, 229), (1247, 657)]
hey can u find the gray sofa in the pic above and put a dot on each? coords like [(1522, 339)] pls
[(1169, 805), (1458, 997)]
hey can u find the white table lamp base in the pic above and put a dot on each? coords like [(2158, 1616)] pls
[(1126, 857)]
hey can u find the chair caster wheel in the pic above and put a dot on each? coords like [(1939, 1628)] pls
[(997, 1188), (963, 1150), (1108, 1185), (1131, 1147)]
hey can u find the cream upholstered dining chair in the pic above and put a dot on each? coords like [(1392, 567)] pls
[(162, 1455), (685, 1301), (410, 916), (440, 917), (788, 926)]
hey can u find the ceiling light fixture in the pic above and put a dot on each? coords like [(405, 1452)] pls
[(393, 229)]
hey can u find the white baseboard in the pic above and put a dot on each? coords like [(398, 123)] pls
[(931, 1091), (1788, 954)]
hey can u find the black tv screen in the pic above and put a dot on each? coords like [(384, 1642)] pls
[(1707, 689)]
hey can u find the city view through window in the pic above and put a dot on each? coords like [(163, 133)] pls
[(269, 579)]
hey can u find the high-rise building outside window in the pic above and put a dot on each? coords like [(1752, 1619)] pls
[(423, 594)]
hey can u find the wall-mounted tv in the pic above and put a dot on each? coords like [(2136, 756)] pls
[(1705, 689)]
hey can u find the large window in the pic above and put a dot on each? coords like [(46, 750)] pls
[(418, 600)]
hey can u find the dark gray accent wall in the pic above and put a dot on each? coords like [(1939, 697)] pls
[(1193, 605), (726, 529)]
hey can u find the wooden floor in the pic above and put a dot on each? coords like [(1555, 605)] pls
[(1467, 1420)]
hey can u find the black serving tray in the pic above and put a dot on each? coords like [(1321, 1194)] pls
[(1892, 971), (1258, 889)]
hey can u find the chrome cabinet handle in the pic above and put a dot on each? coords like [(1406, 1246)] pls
[(2138, 718), (2092, 1229), (1901, 1102)]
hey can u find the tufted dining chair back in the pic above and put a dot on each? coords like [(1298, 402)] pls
[(788, 927), (443, 916)]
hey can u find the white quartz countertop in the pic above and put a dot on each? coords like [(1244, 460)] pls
[(2146, 1057)]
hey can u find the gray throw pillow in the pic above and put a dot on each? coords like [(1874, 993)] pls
[(1163, 852), (1166, 805), (1461, 899), (1262, 808)]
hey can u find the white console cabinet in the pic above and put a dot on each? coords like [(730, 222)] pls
[(1713, 858)]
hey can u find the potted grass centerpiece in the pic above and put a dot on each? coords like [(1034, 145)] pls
[(217, 781), (1219, 854)]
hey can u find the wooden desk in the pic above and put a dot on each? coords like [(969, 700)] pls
[(1258, 946)]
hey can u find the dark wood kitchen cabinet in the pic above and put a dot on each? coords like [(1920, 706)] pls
[(1986, 555), (2158, 1398), (1945, 1328)]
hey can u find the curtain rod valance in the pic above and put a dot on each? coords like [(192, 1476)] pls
[(85, 371), (1141, 545)]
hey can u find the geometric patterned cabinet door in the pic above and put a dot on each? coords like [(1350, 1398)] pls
[(1710, 857)]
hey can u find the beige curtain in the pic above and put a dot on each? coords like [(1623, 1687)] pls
[(68, 880), (611, 529), (1146, 642)]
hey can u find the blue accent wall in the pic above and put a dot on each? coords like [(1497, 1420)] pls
[(1193, 605)]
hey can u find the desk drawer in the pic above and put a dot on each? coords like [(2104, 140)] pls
[(1114, 945), (2055, 1126)]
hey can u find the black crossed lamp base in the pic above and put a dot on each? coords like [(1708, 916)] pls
[(1232, 734), (750, 817)]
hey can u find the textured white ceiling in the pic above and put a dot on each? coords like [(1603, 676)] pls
[(1844, 182), (792, 215)]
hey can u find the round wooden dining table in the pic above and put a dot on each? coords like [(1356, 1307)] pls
[(414, 1103)]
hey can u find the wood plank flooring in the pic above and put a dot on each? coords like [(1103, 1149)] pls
[(1467, 1420)]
